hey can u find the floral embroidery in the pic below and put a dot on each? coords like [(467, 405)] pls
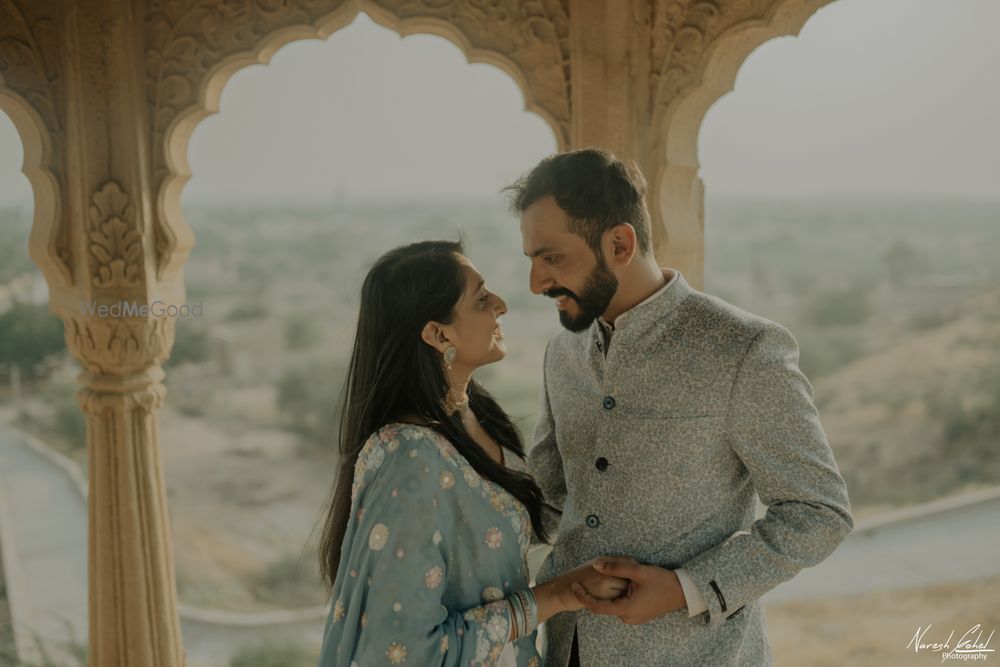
[(494, 538), (338, 610), (482, 648), (396, 653), (492, 632), (492, 594), (498, 629), (376, 456), (378, 537), (411, 434), (433, 577), (478, 615), (484, 634)]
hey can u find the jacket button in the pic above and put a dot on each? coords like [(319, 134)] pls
[(601, 464), (593, 521), (608, 402)]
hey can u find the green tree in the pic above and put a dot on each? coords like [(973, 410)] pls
[(844, 306), (902, 260), (302, 331), (308, 398), (28, 334), (282, 654), (191, 345), (248, 311), (15, 225)]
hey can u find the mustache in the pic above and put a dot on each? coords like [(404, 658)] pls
[(557, 292)]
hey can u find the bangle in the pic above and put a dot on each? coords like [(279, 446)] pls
[(515, 630), (523, 612), (528, 609)]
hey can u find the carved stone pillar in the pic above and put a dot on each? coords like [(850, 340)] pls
[(617, 49), (133, 598)]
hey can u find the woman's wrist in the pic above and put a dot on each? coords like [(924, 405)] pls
[(552, 598)]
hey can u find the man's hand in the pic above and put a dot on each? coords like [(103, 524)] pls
[(653, 591)]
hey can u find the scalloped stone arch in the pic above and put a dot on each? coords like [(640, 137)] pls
[(680, 189), (176, 138), (38, 149)]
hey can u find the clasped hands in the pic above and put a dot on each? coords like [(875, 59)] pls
[(623, 587)]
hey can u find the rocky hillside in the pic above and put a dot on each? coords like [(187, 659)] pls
[(921, 418)]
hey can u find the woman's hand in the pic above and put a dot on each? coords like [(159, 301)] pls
[(556, 595), (598, 585), (606, 587)]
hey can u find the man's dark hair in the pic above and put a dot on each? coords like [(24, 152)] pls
[(596, 190)]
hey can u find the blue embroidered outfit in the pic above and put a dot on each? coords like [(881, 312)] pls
[(430, 554)]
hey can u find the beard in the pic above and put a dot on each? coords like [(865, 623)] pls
[(595, 297)]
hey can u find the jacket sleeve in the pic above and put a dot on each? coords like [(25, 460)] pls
[(545, 462), (397, 554), (775, 430)]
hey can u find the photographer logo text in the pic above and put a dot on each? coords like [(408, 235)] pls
[(970, 647)]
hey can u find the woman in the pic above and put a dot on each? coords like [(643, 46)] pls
[(427, 534)]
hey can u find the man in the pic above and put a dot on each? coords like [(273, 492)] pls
[(666, 412)]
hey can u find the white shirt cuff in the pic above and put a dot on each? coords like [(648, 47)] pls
[(695, 600)]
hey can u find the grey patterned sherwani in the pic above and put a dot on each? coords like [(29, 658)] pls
[(658, 449)]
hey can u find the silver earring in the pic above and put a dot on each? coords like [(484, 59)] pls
[(449, 356)]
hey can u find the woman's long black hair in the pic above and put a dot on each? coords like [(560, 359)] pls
[(394, 376)]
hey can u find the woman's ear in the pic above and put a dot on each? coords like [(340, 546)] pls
[(434, 335)]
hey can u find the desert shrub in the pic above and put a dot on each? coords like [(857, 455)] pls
[(822, 352), (848, 306), (290, 582), (248, 311), (309, 401), (302, 331), (273, 654), (29, 334), (67, 421), (191, 345)]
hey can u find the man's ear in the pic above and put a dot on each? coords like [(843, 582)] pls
[(434, 335), (622, 244)]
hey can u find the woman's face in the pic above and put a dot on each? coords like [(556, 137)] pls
[(475, 330)]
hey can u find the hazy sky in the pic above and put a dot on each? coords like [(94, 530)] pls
[(875, 96)]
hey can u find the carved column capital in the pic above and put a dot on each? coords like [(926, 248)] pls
[(120, 396), (111, 346)]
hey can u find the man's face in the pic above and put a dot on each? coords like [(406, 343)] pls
[(564, 267)]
